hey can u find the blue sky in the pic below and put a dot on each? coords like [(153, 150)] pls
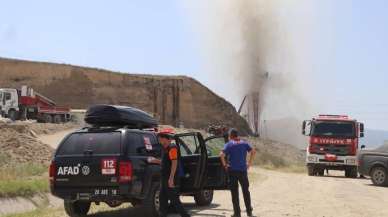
[(349, 49)]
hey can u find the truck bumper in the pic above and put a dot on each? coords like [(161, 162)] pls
[(341, 161)]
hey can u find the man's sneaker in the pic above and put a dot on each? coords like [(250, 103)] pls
[(236, 215), (249, 213)]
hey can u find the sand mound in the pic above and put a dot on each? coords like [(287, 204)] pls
[(19, 143)]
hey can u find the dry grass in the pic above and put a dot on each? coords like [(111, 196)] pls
[(102, 210), (23, 180)]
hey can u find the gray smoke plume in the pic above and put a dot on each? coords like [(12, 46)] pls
[(257, 46)]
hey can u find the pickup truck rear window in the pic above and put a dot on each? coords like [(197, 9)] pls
[(106, 143)]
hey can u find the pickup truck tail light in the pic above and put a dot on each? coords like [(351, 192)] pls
[(125, 172), (52, 172)]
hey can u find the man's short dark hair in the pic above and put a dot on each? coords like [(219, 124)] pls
[(233, 133)]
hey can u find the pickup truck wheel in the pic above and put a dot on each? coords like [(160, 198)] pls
[(379, 176), (204, 198), (152, 204), (310, 170), (76, 208)]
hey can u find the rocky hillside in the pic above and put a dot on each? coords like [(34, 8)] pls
[(174, 100)]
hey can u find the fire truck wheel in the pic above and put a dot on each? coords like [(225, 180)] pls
[(353, 172), (321, 172), (310, 170)]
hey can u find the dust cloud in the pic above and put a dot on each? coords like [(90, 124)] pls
[(258, 46)]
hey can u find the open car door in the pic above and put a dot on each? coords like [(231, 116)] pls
[(216, 177), (194, 159)]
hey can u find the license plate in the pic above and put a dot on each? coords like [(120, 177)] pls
[(105, 192)]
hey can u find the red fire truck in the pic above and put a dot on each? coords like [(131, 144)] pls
[(27, 104), (333, 144)]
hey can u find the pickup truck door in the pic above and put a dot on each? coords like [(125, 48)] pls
[(194, 159), (216, 177)]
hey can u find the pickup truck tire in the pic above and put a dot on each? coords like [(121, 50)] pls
[(204, 198), (76, 208), (310, 170), (379, 176), (151, 204)]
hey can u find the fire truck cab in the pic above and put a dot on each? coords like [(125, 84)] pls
[(333, 144)]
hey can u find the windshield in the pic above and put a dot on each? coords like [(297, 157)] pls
[(342, 129)]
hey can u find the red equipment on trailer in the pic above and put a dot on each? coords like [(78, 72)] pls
[(26, 104)]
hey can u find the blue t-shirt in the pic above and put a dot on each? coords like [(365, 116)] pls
[(237, 153)]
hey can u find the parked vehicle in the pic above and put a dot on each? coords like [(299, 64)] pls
[(333, 144), (111, 164), (374, 164), (27, 104)]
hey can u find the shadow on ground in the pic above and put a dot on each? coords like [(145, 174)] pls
[(191, 207)]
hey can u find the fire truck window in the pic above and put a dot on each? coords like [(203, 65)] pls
[(333, 129)]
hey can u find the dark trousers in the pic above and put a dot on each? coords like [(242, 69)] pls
[(172, 195), (242, 178)]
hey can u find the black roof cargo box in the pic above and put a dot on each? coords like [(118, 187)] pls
[(112, 115)]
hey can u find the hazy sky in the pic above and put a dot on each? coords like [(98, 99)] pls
[(349, 49)]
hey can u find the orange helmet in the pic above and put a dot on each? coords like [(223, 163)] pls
[(167, 132)]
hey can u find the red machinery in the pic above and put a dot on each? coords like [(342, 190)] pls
[(26, 104)]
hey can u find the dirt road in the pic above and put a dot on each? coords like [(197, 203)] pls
[(277, 194), (284, 194), (54, 139)]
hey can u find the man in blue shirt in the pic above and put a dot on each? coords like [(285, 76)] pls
[(236, 150)]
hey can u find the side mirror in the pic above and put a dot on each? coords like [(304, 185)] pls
[(362, 130), (363, 147), (306, 124)]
